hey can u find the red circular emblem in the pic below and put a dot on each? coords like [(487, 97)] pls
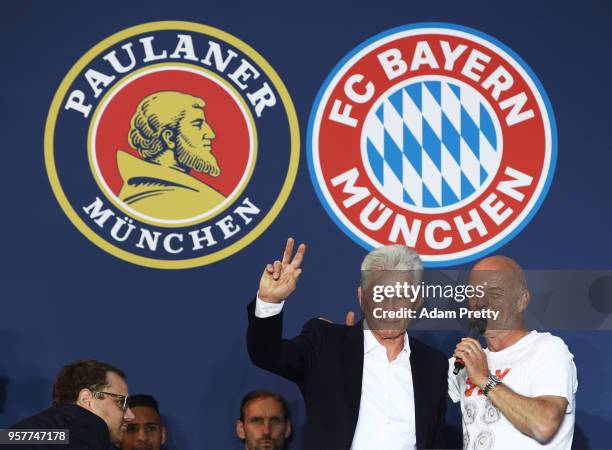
[(434, 136)]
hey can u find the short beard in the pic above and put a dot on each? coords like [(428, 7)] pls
[(190, 156), (278, 444)]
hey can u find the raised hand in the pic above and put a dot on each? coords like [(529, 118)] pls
[(279, 279)]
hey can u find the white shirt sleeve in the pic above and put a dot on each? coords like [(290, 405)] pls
[(454, 389), (265, 309), (554, 372)]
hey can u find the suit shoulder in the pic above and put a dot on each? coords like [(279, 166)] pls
[(328, 331), (43, 420), (324, 326)]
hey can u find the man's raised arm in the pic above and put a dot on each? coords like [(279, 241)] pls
[(267, 349)]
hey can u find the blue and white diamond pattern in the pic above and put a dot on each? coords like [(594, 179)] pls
[(431, 144)]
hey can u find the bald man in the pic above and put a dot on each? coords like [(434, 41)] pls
[(520, 391)]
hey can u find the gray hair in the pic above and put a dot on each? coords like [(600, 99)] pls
[(391, 257)]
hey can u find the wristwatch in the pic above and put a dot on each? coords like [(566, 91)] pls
[(493, 381)]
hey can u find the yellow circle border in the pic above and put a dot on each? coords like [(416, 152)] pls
[(294, 133), (179, 66)]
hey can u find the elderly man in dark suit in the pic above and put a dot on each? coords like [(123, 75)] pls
[(367, 386)]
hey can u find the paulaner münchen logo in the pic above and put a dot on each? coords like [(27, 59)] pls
[(172, 144), (435, 136)]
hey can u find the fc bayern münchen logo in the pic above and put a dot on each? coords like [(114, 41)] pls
[(172, 144), (435, 136)]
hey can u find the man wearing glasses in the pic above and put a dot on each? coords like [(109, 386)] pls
[(90, 399)]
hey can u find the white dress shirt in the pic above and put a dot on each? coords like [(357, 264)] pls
[(386, 411)]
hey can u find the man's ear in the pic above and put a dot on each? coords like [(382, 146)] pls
[(240, 430), (360, 296), (163, 441), (84, 398), (166, 137), (288, 429), (523, 301)]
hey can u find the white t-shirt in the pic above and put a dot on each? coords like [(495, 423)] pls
[(538, 364)]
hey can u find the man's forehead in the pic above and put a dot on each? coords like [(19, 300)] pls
[(116, 383), (145, 414), (491, 278), (263, 407), (194, 113)]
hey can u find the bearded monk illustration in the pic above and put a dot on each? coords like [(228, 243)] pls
[(171, 134)]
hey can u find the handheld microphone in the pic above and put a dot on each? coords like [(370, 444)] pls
[(477, 327)]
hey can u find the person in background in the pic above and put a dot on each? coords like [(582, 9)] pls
[(90, 399), (146, 431), (264, 421)]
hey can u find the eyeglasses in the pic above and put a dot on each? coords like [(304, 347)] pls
[(122, 400)]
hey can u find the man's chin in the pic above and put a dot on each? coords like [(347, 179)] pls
[(266, 443), (388, 326), (116, 439), (389, 331)]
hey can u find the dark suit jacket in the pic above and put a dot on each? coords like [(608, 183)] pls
[(87, 430), (326, 362)]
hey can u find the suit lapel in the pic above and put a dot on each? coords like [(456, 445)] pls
[(420, 387), (353, 365)]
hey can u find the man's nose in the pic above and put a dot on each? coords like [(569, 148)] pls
[(266, 427), (142, 435), (208, 131), (128, 415), (482, 304)]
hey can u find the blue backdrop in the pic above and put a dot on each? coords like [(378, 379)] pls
[(181, 334)]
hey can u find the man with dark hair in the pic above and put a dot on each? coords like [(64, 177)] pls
[(146, 431), (90, 399), (264, 421)]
